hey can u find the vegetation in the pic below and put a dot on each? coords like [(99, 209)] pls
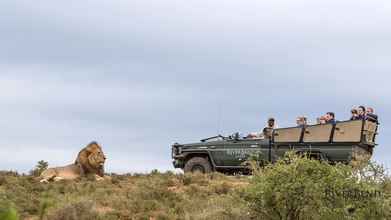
[(300, 188), (293, 188), (41, 166)]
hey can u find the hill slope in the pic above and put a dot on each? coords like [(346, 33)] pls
[(293, 188), (153, 196)]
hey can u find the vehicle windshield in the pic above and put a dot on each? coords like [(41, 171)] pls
[(234, 136)]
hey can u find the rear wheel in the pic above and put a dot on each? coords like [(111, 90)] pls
[(198, 164)]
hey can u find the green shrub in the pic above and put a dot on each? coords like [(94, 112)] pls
[(8, 212), (39, 168), (293, 188), (300, 188)]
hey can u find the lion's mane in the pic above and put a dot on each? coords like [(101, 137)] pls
[(90, 159)]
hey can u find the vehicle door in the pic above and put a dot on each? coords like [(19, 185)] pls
[(235, 152)]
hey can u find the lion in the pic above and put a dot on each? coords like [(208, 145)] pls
[(70, 172), (90, 160)]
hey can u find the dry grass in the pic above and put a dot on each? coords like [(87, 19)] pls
[(296, 190), (153, 196)]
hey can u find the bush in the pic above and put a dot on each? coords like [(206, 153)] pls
[(8, 212), (293, 188), (77, 211), (300, 188), (39, 168)]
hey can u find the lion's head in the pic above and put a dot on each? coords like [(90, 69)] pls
[(97, 159), (91, 159)]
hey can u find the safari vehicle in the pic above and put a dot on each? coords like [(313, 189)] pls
[(341, 142)]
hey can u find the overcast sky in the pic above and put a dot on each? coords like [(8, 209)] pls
[(139, 75)]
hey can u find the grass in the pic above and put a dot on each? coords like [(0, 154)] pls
[(294, 188), (152, 196)]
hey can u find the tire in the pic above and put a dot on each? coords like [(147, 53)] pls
[(198, 164)]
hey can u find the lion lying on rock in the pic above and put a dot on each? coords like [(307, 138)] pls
[(90, 160)]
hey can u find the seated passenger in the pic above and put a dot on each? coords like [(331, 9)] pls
[(255, 135), (370, 115), (266, 132), (361, 112), (321, 120), (354, 114), (301, 121), (330, 118)]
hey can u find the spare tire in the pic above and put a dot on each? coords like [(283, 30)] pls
[(198, 164)]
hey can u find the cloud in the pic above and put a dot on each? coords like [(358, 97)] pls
[(140, 75)]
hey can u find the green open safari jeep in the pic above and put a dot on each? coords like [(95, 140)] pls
[(340, 142)]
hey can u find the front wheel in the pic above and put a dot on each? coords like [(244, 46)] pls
[(198, 164)]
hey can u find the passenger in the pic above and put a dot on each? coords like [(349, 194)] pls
[(268, 130), (252, 135), (354, 114), (301, 121), (361, 112), (321, 120), (370, 115), (330, 118)]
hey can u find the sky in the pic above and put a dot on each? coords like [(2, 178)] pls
[(140, 75)]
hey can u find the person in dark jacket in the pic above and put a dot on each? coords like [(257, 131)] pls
[(354, 114), (361, 112), (330, 118)]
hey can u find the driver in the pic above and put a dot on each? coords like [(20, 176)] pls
[(267, 131)]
